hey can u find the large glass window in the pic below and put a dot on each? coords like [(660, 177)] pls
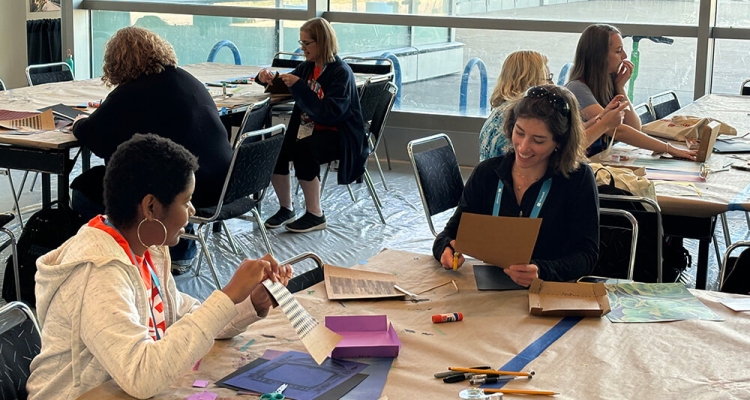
[(731, 65), (300, 4), (732, 13), (614, 11)]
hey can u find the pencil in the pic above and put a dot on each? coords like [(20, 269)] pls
[(490, 371), (455, 260), (521, 391)]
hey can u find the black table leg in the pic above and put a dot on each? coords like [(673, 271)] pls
[(701, 274), (46, 190)]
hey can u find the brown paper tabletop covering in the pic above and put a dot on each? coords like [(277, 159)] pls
[(595, 359)]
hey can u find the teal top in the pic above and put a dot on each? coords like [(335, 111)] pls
[(492, 140)]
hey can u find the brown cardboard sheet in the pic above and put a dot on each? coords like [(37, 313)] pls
[(562, 299), (500, 241)]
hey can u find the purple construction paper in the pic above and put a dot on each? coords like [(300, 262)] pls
[(200, 383), (364, 336), (306, 379)]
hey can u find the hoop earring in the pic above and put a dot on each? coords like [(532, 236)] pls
[(138, 232)]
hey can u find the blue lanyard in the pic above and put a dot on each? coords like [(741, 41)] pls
[(537, 205), (154, 278)]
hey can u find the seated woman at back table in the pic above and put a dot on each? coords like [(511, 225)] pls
[(326, 125), (106, 300), (152, 95), (543, 162), (521, 70), (600, 72)]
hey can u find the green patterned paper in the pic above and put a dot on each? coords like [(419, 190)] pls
[(655, 302)]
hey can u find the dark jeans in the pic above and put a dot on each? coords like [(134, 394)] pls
[(182, 254), (308, 154)]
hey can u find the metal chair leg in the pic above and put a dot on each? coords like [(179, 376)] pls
[(17, 208), (380, 170), (388, 156), (230, 238), (263, 232), (14, 252), (208, 257), (374, 195), (716, 249), (33, 182), (747, 218), (351, 193)]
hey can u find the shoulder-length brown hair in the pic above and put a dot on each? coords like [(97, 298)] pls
[(134, 51), (323, 34), (521, 70), (567, 130), (590, 62)]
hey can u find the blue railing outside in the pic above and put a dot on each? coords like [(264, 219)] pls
[(397, 72), (563, 74), (225, 43), (463, 95)]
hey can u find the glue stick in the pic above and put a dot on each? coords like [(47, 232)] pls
[(452, 317)]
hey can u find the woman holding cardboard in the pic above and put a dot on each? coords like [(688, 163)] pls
[(600, 72), (540, 176)]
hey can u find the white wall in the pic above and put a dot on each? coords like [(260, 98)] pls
[(13, 42)]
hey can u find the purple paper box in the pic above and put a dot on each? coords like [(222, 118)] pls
[(364, 336)]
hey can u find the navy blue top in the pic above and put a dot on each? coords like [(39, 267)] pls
[(568, 243)]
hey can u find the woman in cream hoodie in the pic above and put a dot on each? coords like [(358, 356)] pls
[(106, 299)]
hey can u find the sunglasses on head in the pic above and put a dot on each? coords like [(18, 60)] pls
[(558, 103)]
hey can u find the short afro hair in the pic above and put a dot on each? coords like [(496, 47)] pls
[(145, 164)]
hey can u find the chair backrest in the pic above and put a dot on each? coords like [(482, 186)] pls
[(438, 177), (650, 233), (20, 342), (47, 73), (308, 278), (284, 59), (255, 119), (383, 107), (628, 265), (734, 275), (745, 88), (645, 113), (369, 97), (664, 103), (254, 158), (382, 67), (2, 85)]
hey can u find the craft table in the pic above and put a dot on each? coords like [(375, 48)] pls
[(594, 359)]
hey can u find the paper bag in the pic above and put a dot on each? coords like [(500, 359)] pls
[(633, 181), (697, 133)]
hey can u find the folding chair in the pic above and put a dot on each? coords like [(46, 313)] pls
[(645, 113), (648, 214), (52, 72), (5, 218), (21, 341), (383, 99), (739, 282), (438, 177), (254, 120), (250, 171), (2, 85), (604, 247), (308, 278), (16, 196), (663, 108), (745, 88)]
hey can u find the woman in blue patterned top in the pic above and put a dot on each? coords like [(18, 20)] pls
[(521, 70)]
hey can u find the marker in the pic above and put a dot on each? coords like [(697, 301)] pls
[(452, 317), (482, 379), (244, 81), (458, 377)]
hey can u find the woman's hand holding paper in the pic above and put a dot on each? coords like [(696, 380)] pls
[(523, 274)]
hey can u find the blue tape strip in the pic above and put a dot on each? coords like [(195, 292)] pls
[(741, 197), (536, 348)]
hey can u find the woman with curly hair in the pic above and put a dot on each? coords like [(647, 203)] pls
[(152, 95)]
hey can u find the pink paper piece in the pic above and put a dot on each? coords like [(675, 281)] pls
[(200, 383), (202, 396)]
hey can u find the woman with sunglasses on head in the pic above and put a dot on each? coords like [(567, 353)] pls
[(600, 72), (521, 70), (326, 125), (106, 300), (540, 175)]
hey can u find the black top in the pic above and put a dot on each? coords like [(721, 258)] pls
[(172, 104), (568, 243), (339, 107)]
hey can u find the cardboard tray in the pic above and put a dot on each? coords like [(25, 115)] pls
[(364, 336), (561, 299)]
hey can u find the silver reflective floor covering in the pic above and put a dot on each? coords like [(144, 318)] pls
[(355, 232)]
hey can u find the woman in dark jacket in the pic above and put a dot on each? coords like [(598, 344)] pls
[(326, 125)]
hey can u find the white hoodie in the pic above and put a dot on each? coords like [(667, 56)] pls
[(93, 309)]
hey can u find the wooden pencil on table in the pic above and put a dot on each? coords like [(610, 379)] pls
[(520, 391), (490, 371)]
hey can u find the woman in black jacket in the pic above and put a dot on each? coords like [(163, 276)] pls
[(326, 125), (540, 175)]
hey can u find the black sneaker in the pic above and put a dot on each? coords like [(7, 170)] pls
[(281, 217), (179, 269), (306, 223)]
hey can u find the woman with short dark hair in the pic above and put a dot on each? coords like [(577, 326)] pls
[(541, 175), (106, 300)]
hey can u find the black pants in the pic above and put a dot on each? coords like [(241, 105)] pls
[(308, 154)]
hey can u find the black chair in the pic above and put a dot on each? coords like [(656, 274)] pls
[(16, 196), (645, 113), (2, 85), (438, 177), (648, 254), (255, 119), (308, 278), (20, 342), (734, 275), (40, 74), (664, 103), (254, 158), (382, 98), (605, 247), (745, 88), (5, 218)]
